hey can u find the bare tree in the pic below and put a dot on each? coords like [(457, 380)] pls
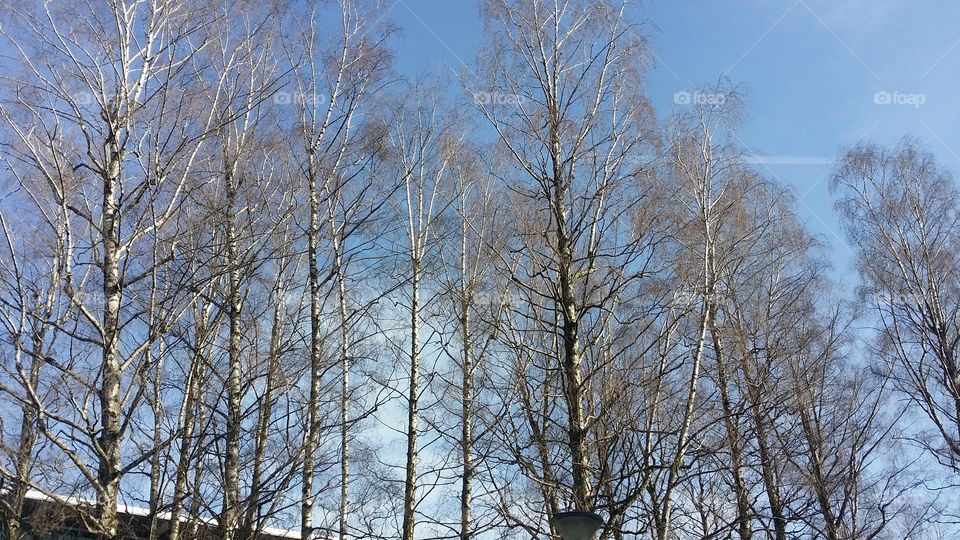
[(32, 311), (244, 76), (423, 147), (107, 124), (236, 257), (900, 210), (705, 184), (466, 319), (559, 88), (335, 79)]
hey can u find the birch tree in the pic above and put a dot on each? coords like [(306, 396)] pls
[(243, 80), (107, 122), (899, 210), (337, 73), (423, 146), (559, 87), (474, 298), (704, 184), (32, 311)]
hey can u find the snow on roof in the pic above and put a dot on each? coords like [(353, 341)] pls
[(73, 500)]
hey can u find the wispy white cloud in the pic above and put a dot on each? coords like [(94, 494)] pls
[(788, 160)]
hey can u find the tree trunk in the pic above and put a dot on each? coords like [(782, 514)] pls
[(767, 464), (25, 446), (466, 386), (410, 482), (108, 472), (570, 327), (264, 413), (744, 530), (156, 462), (15, 498), (820, 486), (344, 394), (683, 438), (313, 407), (191, 406), (231, 495)]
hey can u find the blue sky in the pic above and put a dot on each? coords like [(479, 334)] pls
[(811, 71)]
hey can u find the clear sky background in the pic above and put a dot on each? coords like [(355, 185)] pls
[(811, 71)]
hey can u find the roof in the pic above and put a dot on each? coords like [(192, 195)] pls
[(134, 518)]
